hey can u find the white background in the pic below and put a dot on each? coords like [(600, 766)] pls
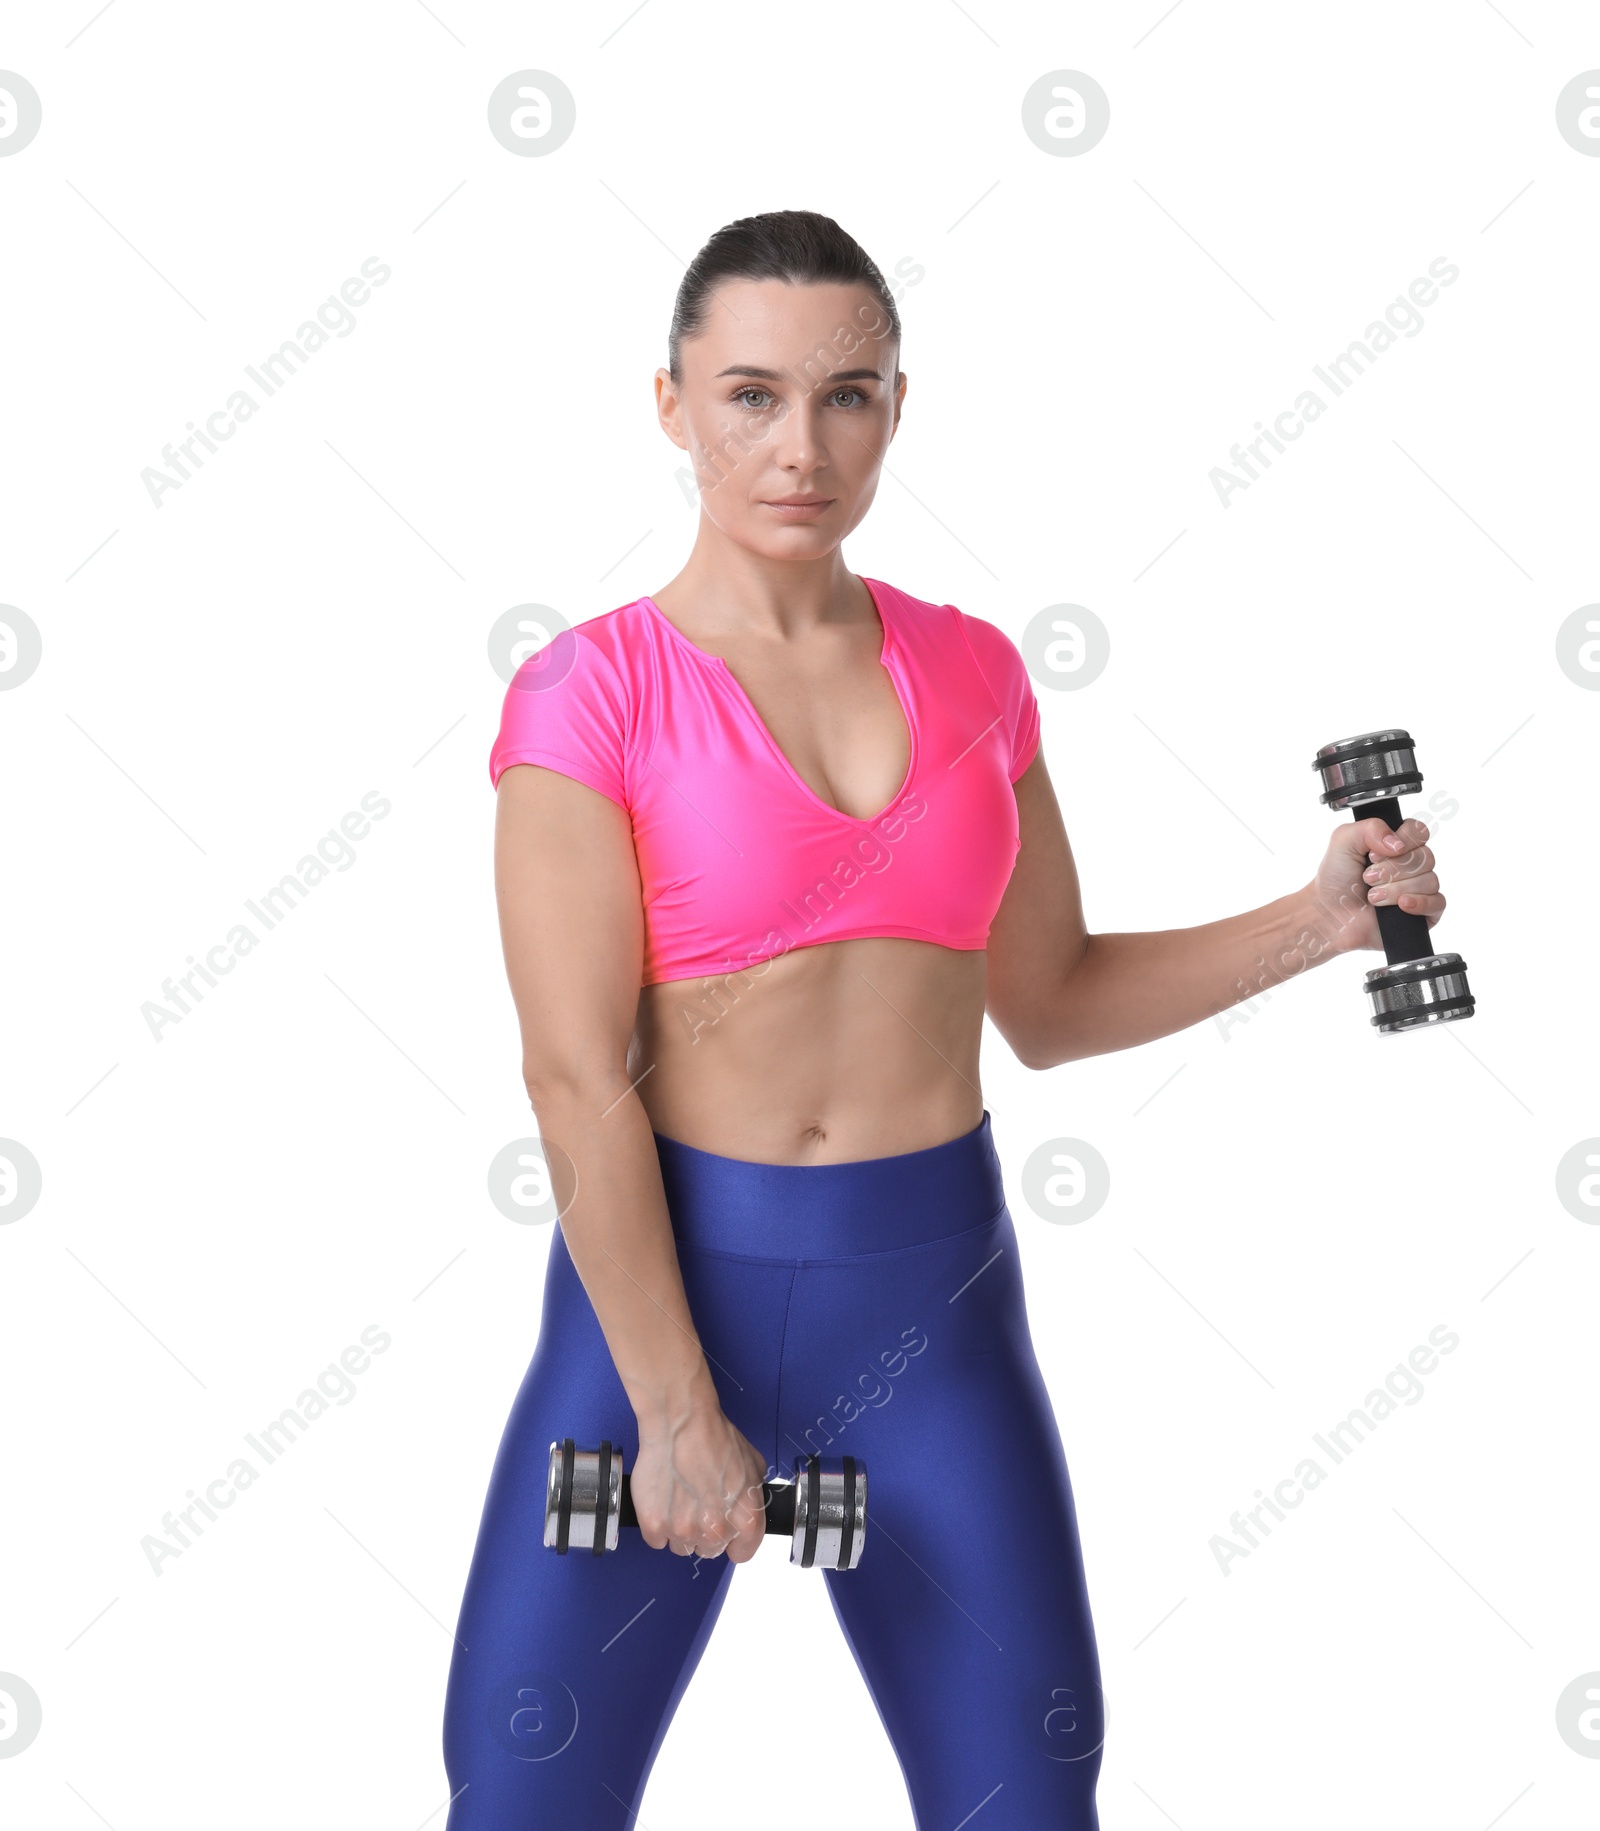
[(306, 619)]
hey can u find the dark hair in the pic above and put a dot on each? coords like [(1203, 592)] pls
[(799, 246)]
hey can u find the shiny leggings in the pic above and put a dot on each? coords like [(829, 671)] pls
[(872, 1309)]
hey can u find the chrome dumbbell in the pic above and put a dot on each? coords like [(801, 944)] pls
[(1367, 774), (823, 1510)]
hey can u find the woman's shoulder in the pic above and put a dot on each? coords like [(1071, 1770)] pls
[(615, 632), (575, 703), (920, 610), (989, 644), (970, 655), (609, 654)]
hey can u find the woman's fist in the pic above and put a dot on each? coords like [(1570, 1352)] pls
[(1366, 865), (696, 1488)]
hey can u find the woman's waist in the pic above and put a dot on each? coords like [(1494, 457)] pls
[(855, 989), (842, 1050), (789, 1118), (833, 1210)]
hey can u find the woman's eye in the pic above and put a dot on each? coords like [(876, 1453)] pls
[(760, 400)]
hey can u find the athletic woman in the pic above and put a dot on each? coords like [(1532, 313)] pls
[(770, 843)]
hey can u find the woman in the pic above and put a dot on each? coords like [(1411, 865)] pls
[(770, 843)]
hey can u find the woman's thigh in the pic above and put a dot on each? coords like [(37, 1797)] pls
[(567, 1669), (968, 1614)]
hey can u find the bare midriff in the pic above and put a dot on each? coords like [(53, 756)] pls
[(826, 1054)]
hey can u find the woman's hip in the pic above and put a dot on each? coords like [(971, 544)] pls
[(803, 1213)]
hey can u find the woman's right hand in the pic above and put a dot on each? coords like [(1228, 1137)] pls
[(696, 1487)]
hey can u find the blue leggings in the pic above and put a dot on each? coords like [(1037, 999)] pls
[(872, 1309)]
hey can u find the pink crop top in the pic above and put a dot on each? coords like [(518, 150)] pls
[(739, 860)]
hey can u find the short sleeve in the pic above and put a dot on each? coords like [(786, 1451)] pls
[(1001, 664), (566, 708)]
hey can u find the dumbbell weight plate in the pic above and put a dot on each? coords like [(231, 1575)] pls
[(572, 1497), (1432, 990), (830, 1513), (1376, 766)]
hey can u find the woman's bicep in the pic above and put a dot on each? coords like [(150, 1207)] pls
[(1038, 933), (571, 923)]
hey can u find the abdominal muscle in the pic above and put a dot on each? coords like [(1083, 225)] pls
[(826, 1054)]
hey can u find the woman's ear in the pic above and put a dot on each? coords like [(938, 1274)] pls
[(669, 408)]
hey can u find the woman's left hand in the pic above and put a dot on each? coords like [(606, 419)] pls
[(1367, 865)]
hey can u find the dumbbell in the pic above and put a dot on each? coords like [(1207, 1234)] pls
[(1367, 774), (823, 1510)]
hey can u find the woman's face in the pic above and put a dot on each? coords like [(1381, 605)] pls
[(788, 392)]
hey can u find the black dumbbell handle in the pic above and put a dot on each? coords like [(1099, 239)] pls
[(1405, 935), (777, 1497)]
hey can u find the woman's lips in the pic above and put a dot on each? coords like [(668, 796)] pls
[(806, 508)]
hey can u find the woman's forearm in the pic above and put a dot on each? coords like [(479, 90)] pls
[(619, 1234), (1126, 989)]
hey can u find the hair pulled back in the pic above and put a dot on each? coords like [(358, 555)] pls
[(798, 246)]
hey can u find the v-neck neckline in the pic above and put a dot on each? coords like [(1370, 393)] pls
[(888, 660)]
